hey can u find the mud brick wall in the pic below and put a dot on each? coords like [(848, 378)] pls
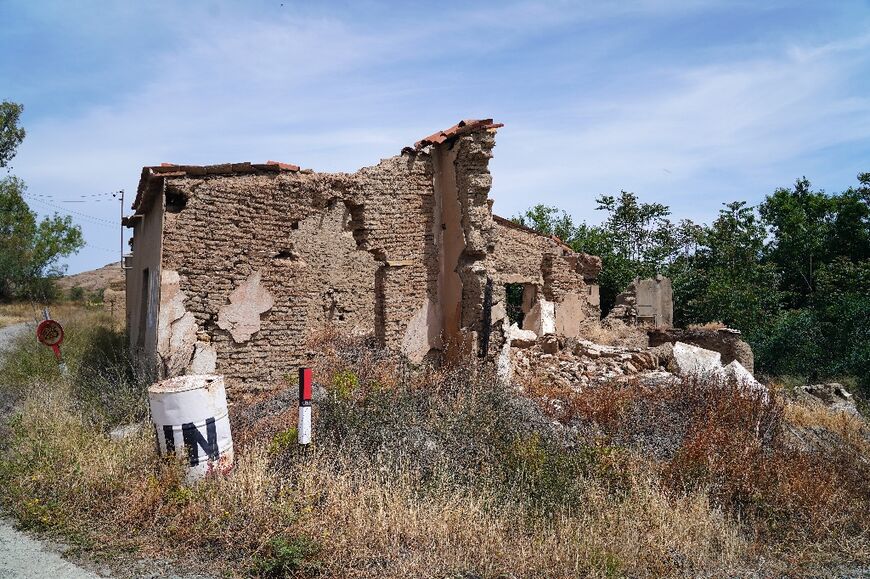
[(518, 255), (305, 250), (253, 259), (559, 275), (473, 182)]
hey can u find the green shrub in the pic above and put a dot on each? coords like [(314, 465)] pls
[(283, 557), (344, 383), (77, 294), (284, 440)]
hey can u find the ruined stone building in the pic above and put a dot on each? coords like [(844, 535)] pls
[(234, 265), (646, 302)]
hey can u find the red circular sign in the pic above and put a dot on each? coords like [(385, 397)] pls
[(50, 333)]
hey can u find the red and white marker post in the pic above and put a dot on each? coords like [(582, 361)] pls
[(304, 406)]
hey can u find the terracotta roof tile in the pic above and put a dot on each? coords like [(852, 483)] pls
[(284, 166), (460, 128)]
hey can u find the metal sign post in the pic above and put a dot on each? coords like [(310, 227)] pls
[(304, 406), (50, 333)]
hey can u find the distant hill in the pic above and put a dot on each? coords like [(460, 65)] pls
[(109, 276)]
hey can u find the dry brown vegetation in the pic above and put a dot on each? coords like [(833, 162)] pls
[(15, 313), (709, 326), (615, 332), (432, 474)]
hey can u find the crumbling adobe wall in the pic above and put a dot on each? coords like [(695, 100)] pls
[(254, 260), (561, 294), (394, 209), (646, 302), (473, 182), (262, 260)]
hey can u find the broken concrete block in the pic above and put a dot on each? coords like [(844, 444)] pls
[(735, 372), (518, 338), (694, 362)]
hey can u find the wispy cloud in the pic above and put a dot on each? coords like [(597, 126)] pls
[(596, 97)]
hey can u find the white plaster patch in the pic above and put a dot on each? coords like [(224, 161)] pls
[(241, 316), (504, 364), (498, 313), (181, 341), (541, 318), (570, 315), (423, 332), (548, 317), (504, 368), (176, 327), (204, 359), (171, 308)]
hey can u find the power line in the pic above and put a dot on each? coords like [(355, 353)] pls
[(77, 198), (96, 220)]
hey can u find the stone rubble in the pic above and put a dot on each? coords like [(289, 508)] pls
[(578, 364), (833, 395)]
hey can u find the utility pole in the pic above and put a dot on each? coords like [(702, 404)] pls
[(122, 227)]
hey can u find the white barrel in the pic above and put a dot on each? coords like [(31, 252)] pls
[(191, 418)]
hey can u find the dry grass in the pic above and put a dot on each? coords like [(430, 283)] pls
[(428, 474), (848, 427), (15, 313), (709, 326), (77, 482), (612, 332), (806, 506)]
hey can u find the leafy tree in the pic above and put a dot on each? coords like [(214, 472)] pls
[(29, 249), (811, 229), (548, 221), (638, 230), (732, 283), (11, 134), (793, 276)]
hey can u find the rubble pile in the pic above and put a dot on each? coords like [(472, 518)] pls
[(566, 362), (577, 364)]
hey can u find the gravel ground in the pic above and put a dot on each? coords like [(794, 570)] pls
[(27, 558)]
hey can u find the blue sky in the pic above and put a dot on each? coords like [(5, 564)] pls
[(691, 103)]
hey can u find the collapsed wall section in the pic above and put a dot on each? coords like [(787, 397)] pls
[(554, 287), (257, 257), (250, 264)]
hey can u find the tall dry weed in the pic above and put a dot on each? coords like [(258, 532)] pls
[(434, 473)]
